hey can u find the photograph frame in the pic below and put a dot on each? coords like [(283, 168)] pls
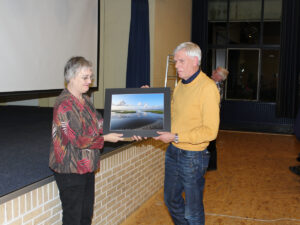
[(146, 131)]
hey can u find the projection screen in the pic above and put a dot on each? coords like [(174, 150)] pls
[(37, 37)]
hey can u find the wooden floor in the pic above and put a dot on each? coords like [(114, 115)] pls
[(252, 186)]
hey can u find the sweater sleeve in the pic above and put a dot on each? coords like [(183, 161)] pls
[(210, 113)]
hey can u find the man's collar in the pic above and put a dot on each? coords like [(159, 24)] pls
[(191, 78)]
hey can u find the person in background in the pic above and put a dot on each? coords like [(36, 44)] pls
[(219, 75), (194, 123), (296, 169), (76, 142)]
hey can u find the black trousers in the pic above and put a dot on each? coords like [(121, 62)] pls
[(77, 192), (212, 148)]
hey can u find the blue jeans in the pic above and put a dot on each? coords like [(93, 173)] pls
[(184, 172)]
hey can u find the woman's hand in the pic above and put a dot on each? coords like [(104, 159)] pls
[(137, 138), (113, 137)]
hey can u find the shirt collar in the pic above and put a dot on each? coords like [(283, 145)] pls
[(191, 78)]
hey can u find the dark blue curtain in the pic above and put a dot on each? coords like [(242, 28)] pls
[(138, 61), (289, 69), (200, 28)]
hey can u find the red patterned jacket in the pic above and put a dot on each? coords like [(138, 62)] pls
[(76, 139)]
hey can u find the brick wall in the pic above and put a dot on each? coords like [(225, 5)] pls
[(128, 177)]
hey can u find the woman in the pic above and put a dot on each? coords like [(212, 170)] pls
[(76, 140)]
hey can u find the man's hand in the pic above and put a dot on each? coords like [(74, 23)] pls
[(165, 137)]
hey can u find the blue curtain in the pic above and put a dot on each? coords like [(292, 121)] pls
[(289, 69), (138, 61), (200, 28)]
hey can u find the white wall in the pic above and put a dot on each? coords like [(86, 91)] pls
[(172, 26)]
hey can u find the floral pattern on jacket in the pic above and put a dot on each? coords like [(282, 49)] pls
[(76, 140)]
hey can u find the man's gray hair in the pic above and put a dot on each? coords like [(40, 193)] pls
[(73, 66), (191, 49)]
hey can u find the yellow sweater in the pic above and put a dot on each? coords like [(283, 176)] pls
[(195, 113)]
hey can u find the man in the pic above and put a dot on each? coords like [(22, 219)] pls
[(194, 122), (219, 75)]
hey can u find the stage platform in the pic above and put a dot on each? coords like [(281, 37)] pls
[(25, 137)]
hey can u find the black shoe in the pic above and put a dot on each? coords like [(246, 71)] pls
[(298, 159), (295, 169)]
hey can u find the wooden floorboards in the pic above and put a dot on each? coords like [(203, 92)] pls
[(252, 185)]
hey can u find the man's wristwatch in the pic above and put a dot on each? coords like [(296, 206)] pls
[(176, 138)]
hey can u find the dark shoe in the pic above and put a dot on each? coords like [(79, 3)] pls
[(295, 169), (298, 159)]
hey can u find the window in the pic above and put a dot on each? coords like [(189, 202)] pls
[(244, 36), (244, 32), (269, 75), (243, 80)]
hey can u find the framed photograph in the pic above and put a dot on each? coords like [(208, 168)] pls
[(137, 111)]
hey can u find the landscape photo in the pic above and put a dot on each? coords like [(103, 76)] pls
[(137, 111)]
